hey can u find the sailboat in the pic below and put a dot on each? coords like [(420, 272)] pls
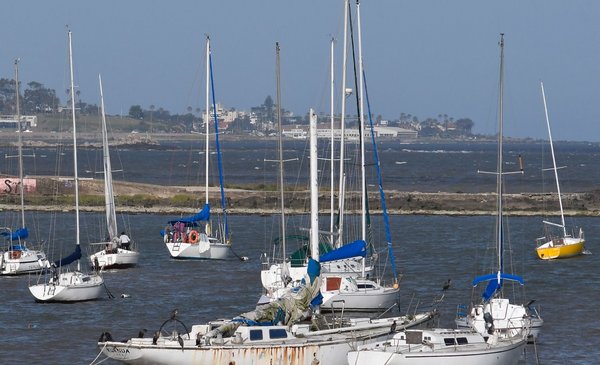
[(185, 237), (287, 331), (557, 246), (115, 255), (346, 284), (59, 284), (18, 258), (496, 312)]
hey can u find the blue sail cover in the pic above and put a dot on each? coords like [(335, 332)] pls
[(201, 216), (76, 255), (495, 283), (357, 248), (314, 271), (19, 234)]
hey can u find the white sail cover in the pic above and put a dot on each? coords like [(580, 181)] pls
[(111, 215)]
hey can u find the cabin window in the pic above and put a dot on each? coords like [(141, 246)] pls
[(277, 333), (256, 335), (366, 286), (462, 340), (449, 341)]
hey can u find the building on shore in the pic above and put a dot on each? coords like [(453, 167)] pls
[(324, 131), (10, 121)]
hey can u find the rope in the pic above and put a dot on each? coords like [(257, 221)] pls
[(110, 295), (97, 356)]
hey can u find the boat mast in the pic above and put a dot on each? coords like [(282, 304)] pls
[(562, 215), (75, 176), (343, 129), (499, 227), (314, 188), (280, 145), (20, 144), (206, 149), (109, 201), (361, 128), (332, 185)]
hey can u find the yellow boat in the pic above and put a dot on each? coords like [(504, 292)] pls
[(565, 246), (561, 248)]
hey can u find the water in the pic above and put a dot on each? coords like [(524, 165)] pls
[(429, 250)]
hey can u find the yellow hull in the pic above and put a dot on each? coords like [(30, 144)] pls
[(550, 252)]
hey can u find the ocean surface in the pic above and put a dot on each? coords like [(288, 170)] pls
[(428, 249)]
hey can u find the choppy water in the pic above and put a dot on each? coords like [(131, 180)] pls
[(429, 250)]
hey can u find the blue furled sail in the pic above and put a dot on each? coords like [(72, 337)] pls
[(357, 248), (495, 283), (76, 255), (19, 234), (201, 216)]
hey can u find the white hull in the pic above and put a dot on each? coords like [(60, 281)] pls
[(432, 352), (199, 251), (22, 262), (365, 296), (328, 347), (70, 287), (121, 259)]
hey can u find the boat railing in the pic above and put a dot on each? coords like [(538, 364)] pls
[(461, 311)]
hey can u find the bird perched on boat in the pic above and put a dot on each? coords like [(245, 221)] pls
[(105, 337), (141, 333), (180, 340), (393, 327), (155, 337), (174, 313), (447, 285)]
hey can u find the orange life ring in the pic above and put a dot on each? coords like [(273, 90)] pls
[(15, 255), (194, 236)]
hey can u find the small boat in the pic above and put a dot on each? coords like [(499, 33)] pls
[(59, 284), (193, 237), (17, 258), (118, 251), (495, 311), (441, 346), (561, 246)]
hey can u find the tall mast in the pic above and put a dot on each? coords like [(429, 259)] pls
[(562, 215), (280, 145), (206, 149), (314, 188), (109, 201), (332, 186), (499, 227), (341, 188), (361, 132), (75, 175), (20, 143)]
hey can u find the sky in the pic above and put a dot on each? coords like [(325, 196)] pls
[(422, 57)]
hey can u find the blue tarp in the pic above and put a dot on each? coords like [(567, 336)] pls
[(76, 255), (201, 216), (495, 283), (20, 233), (354, 249)]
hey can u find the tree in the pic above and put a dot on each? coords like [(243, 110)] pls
[(136, 112), (39, 99), (465, 125)]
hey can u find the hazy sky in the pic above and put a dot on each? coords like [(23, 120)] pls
[(421, 57)]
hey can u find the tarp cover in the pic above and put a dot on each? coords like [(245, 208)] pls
[(201, 216), (19, 234), (495, 283), (357, 248), (76, 255)]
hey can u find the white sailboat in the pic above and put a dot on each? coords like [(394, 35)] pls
[(496, 312), (185, 238), (441, 346), (346, 284), (59, 284), (287, 331), (17, 258), (114, 254), (553, 246)]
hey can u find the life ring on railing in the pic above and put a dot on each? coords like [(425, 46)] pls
[(194, 237), (15, 255)]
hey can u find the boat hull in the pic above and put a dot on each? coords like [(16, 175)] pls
[(369, 297), (198, 251), (121, 259), (69, 287), (567, 247), (503, 355), (22, 262)]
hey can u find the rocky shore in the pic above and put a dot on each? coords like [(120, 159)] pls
[(137, 198)]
